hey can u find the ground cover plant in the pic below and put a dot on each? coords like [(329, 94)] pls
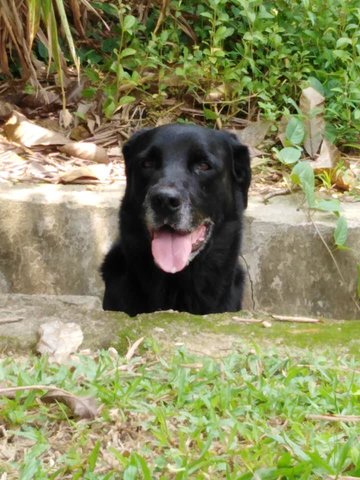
[(173, 415), (235, 59)]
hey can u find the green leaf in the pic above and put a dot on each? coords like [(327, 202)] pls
[(109, 108), (343, 41), (325, 205), (341, 231), (295, 131), (93, 457), (222, 33), (127, 52), (131, 473), (289, 155), (129, 22), (142, 466), (358, 280), (125, 100), (210, 114), (303, 175), (342, 54), (317, 85)]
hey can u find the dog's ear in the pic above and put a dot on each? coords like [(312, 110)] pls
[(135, 144), (241, 165)]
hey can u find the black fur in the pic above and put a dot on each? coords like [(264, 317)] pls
[(207, 173)]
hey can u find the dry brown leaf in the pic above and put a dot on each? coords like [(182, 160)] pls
[(59, 340), (328, 158), (81, 407), (344, 180), (87, 151), (78, 175), (312, 107), (115, 151), (20, 130), (254, 133)]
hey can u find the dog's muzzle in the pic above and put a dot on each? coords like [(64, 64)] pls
[(176, 238)]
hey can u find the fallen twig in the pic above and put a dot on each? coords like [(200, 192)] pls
[(246, 320), (288, 318), (11, 320), (335, 418), (341, 477), (283, 191), (131, 352)]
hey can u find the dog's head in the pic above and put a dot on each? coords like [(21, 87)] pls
[(183, 180)]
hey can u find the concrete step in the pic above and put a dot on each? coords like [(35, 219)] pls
[(216, 335), (54, 237)]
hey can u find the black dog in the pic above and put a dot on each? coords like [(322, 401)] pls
[(180, 223)]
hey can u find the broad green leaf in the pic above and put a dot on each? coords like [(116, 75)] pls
[(289, 155), (341, 231), (127, 52), (343, 41), (326, 205), (206, 15), (129, 22), (295, 131), (342, 54), (222, 33), (303, 175)]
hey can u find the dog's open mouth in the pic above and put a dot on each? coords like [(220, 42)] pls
[(173, 250)]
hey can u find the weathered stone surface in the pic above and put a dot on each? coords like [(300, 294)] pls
[(289, 266), (53, 239), (22, 315), (214, 335)]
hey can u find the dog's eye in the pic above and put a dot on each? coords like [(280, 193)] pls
[(202, 166), (148, 163)]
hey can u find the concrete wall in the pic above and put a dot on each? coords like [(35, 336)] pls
[(53, 239)]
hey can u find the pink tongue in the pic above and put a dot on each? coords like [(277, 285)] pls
[(171, 250)]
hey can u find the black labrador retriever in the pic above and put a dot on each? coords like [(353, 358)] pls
[(180, 223)]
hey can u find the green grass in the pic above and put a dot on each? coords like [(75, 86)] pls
[(176, 416)]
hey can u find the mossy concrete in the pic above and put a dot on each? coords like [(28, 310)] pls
[(214, 335), (53, 239)]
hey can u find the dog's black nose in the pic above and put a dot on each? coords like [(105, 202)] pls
[(165, 200)]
